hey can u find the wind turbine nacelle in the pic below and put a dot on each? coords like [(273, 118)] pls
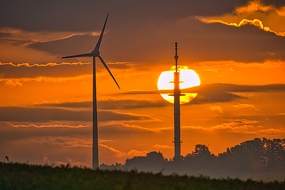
[(95, 53)]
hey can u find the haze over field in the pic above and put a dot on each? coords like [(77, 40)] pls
[(236, 47)]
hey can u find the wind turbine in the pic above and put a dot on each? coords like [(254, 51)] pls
[(95, 53)]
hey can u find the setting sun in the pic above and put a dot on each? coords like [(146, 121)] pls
[(188, 78)]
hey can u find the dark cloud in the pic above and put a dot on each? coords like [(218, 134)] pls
[(26, 114), (37, 114), (123, 65), (11, 70), (275, 3), (219, 92), (119, 116), (83, 104), (4, 35), (72, 111), (247, 43), (263, 119), (9, 131), (217, 41), (111, 104), (217, 88), (213, 97), (14, 41), (35, 145), (62, 46), (143, 32), (66, 15), (223, 87), (131, 104), (49, 70), (140, 92), (121, 130)]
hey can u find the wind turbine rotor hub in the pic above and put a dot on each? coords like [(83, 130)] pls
[(95, 53)]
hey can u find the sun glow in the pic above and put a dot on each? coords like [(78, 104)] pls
[(188, 78)]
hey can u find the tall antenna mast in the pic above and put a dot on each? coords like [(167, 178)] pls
[(176, 57), (177, 142)]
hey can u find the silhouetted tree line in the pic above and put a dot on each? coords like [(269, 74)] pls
[(248, 159)]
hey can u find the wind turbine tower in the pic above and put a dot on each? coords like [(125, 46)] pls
[(177, 94), (95, 53)]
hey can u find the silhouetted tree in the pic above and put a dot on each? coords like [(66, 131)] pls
[(274, 153), (254, 155), (200, 158), (153, 161), (257, 156)]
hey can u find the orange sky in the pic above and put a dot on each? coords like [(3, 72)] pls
[(237, 48)]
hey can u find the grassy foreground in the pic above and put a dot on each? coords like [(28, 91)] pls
[(23, 176)]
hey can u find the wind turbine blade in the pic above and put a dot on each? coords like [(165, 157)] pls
[(108, 70), (79, 55), (101, 35)]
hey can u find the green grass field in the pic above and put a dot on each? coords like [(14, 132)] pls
[(23, 176)]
